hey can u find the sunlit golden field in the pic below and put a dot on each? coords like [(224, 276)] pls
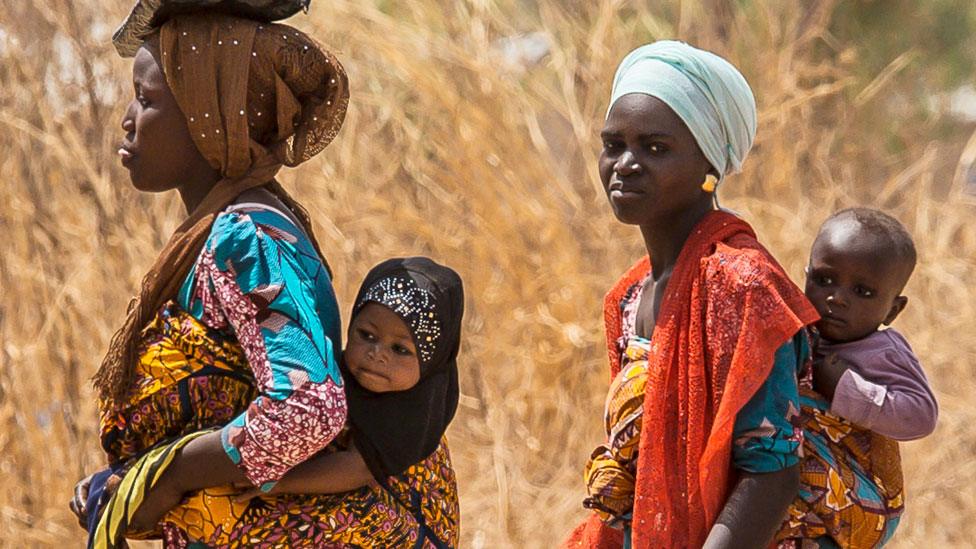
[(472, 137)]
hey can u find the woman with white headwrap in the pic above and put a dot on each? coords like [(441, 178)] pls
[(705, 334)]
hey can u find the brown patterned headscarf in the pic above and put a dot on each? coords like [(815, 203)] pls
[(256, 96)]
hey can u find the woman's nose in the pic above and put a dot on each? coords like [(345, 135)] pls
[(626, 164), (128, 120)]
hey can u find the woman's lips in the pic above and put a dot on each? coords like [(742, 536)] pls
[(622, 196), (125, 155), (620, 191)]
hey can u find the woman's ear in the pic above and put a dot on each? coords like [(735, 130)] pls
[(896, 308)]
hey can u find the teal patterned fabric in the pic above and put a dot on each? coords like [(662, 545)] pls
[(768, 435), (260, 281)]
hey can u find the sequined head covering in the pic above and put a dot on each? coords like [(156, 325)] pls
[(256, 96), (395, 430), (415, 305), (710, 96)]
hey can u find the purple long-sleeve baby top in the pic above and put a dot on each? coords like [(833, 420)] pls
[(885, 390)]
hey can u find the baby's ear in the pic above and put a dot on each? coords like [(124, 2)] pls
[(896, 308)]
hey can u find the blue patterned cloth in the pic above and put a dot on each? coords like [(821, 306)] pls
[(767, 435), (260, 281)]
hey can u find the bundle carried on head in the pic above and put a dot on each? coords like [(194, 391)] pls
[(148, 15)]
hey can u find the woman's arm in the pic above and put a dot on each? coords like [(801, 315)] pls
[(245, 282), (202, 463), (330, 473), (755, 509), (766, 451)]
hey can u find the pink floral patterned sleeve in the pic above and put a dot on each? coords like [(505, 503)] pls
[(259, 279)]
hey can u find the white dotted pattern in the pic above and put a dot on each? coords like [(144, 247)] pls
[(412, 303)]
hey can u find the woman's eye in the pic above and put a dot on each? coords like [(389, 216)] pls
[(610, 146), (140, 97), (657, 148)]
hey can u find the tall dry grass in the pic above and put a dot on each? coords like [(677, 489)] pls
[(453, 149)]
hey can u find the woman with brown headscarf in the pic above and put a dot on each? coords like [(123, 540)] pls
[(226, 369)]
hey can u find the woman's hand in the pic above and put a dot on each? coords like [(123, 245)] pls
[(79, 502)]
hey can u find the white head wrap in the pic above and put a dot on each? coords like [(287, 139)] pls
[(707, 92)]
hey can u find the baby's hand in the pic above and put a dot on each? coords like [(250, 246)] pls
[(827, 372)]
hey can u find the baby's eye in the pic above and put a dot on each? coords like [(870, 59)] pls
[(366, 335), (863, 291), (401, 350), (823, 280)]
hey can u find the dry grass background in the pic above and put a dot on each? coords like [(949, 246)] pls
[(451, 149)]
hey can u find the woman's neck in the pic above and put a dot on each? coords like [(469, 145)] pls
[(665, 240), (193, 193)]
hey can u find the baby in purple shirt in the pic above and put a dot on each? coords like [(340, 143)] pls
[(871, 389), (859, 265)]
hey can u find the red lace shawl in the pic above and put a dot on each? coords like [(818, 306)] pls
[(727, 309)]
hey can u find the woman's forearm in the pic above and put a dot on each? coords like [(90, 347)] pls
[(330, 473), (203, 463), (755, 509)]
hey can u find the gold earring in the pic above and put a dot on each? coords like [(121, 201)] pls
[(710, 184)]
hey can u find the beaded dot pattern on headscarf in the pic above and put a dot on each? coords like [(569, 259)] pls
[(252, 93), (414, 305)]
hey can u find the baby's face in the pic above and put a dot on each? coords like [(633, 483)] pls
[(380, 352), (852, 284)]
